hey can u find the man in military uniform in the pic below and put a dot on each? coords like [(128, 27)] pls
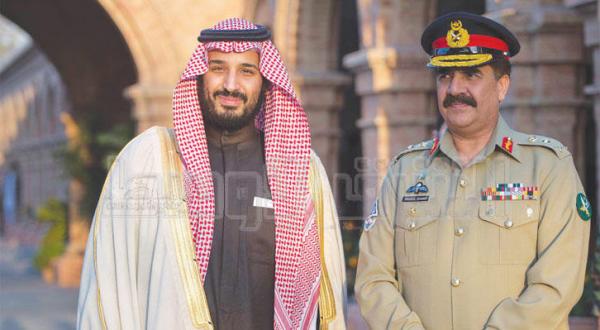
[(485, 228)]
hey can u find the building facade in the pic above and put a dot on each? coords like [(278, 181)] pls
[(33, 103), (357, 66)]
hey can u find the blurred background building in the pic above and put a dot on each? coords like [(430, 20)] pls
[(79, 78)]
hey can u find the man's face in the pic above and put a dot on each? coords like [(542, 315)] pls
[(231, 89), (469, 98)]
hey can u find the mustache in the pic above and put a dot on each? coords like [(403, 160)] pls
[(450, 99), (227, 93)]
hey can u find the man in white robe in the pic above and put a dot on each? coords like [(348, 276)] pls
[(160, 215)]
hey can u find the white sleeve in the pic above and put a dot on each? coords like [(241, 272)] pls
[(334, 253), (112, 287)]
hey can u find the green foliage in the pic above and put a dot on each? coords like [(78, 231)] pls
[(89, 157), (54, 213), (112, 142)]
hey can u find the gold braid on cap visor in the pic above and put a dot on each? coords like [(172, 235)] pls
[(460, 60)]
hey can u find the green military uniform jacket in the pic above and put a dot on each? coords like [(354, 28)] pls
[(499, 244)]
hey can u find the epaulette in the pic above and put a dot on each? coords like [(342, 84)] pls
[(559, 149), (425, 145)]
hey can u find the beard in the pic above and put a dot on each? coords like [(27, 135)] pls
[(229, 120)]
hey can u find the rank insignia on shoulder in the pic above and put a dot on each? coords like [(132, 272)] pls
[(370, 220), (510, 192), (584, 208)]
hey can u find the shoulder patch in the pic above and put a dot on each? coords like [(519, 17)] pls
[(372, 218), (583, 207), (559, 149), (425, 145)]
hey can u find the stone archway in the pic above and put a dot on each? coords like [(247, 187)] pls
[(121, 53), (95, 65), (161, 36), (87, 49)]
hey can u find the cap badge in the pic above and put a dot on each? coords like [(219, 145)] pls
[(457, 36)]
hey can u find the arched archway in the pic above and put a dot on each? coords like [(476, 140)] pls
[(86, 47), (95, 65)]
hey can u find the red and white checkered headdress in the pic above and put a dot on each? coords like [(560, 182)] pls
[(287, 153)]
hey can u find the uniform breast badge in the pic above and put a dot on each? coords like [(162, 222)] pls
[(510, 192), (418, 188), (584, 208)]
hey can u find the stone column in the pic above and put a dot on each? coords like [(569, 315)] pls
[(306, 34), (321, 95), (151, 105), (396, 89), (67, 267), (547, 81), (588, 10)]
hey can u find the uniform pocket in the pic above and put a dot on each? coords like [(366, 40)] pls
[(508, 231), (416, 232)]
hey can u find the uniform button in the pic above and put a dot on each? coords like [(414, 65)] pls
[(459, 231), (412, 211), (529, 212), (412, 225), (508, 223), (463, 183), (455, 282)]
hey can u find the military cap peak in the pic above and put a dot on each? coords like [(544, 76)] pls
[(461, 39)]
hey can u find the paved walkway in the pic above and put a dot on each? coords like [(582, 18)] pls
[(26, 302)]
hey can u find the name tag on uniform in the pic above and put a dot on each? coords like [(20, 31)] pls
[(262, 202), (415, 198)]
